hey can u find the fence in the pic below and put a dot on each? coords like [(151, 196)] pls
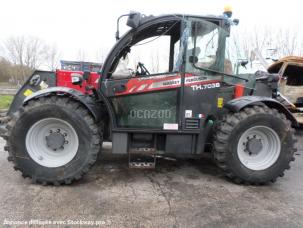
[(5, 91)]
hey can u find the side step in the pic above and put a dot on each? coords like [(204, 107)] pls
[(142, 158)]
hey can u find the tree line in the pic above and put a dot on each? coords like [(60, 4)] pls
[(22, 55), (271, 42)]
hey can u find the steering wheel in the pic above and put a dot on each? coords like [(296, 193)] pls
[(141, 70)]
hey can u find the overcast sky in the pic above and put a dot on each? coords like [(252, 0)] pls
[(90, 25)]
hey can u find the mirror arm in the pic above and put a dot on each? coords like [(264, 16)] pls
[(118, 21)]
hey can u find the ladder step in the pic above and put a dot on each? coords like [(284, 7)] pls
[(142, 151), (142, 158), (142, 165)]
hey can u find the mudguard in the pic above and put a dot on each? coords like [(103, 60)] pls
[(87, 101), (39, 80), (238, 104)]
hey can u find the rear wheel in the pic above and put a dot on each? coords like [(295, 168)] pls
[(53, 140), (254, 146)]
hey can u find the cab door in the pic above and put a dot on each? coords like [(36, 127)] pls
[(145, 101), (144, 86), (204, 60)]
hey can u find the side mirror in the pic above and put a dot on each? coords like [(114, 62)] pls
[(243, 62), (133, 19), (236, 21), (77, 79)]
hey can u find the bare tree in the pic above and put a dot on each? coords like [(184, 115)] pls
[(4, 70), (81, 55), (284, 41), (10, 72), (100, 55), (52, 58), (27, 53), (288, 42)]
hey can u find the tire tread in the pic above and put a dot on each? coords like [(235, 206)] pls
[(81, 111), (221, 141)]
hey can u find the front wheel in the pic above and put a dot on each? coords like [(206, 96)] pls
[(53, 140), (254, 146)]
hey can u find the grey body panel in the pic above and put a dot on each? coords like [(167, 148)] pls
[(120, 143), (48, 78)]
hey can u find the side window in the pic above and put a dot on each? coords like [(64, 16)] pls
[(202, 45), (231, 56), (234, 55), (294, 73), (207, 45), (149, 56)]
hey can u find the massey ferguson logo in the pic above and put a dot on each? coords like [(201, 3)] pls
[(150, 114)]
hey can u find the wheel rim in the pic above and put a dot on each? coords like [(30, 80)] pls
[(259, 148), (52, 142)]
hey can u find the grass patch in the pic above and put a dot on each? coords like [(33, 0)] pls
[(5, 101)]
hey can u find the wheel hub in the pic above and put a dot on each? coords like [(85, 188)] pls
[(55, 140), (52, 142), (254, 146), (259, 147)]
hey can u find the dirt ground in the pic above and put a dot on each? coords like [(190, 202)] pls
[(183, 193)]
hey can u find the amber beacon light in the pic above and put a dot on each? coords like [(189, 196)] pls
[(228, 11)]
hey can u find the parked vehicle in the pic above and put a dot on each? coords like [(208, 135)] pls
[(193, 101), (290, 69)]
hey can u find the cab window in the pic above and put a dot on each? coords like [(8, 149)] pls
[(203, 46), (154, 51)]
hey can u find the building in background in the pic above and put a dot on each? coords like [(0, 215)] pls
[(80, 66)]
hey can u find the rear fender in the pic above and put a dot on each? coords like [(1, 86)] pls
[(95, 109), (39, 80), (240, 103)]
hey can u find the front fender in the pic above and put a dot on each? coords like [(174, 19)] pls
[(238, 104), (39, 80), (87, 101)]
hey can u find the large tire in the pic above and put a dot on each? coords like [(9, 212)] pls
[(45, 154), (241, 161)]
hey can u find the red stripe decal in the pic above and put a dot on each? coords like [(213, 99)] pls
[(155, 83)]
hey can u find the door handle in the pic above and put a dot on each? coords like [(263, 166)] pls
[(119, 88)]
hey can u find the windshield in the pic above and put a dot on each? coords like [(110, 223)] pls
[(211, 49)]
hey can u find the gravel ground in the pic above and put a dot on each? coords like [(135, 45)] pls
[(183, 193)]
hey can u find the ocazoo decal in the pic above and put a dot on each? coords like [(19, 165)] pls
[(150, 114)]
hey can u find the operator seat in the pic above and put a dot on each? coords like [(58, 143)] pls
[(122, 71)]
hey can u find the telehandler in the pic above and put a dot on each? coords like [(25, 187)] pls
[(194, 101)]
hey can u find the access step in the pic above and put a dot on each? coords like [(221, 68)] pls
[(141, 165), (142, 151), (142, 158)]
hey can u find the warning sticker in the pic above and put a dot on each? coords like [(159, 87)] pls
[(170, 126), (43, 85), (188, 113), (27, 92), (220, 102)]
